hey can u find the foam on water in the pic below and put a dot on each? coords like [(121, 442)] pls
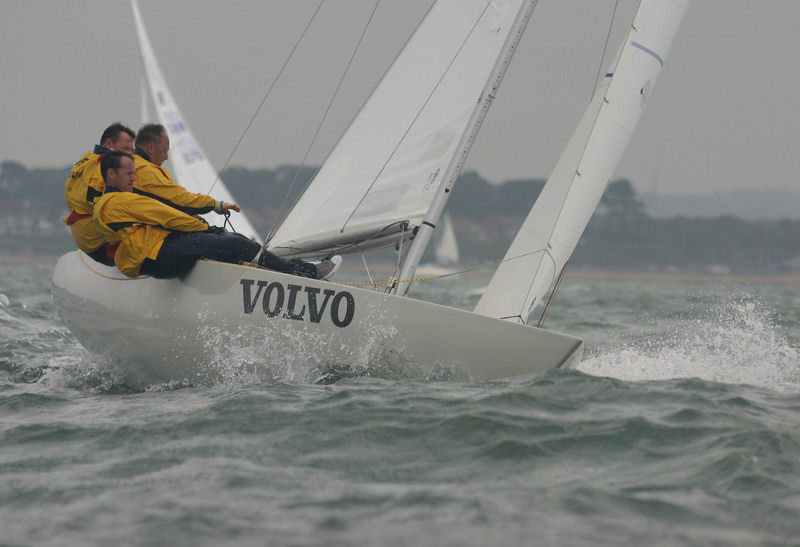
[(735, 341), (289, 351)]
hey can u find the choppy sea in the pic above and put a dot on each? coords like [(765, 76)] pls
[(681, 426)]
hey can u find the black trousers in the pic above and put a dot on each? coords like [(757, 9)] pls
[(181, 250)]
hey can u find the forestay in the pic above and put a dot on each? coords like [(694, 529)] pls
[(191, 166), (381, 178), (551, 231)]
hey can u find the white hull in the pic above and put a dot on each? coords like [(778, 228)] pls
[(182, 329)]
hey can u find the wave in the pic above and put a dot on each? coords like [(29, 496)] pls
[(735, 341)]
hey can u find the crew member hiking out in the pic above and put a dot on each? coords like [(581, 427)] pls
[(158, 240), (85, 184)]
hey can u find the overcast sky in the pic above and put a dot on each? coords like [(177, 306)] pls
[(724, 114)]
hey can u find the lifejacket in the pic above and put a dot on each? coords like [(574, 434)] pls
[(83, 186), (85, 183), (156, 182), (138, 225)]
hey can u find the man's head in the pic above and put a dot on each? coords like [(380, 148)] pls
[(118, 170), (118, 137), (153, 140)]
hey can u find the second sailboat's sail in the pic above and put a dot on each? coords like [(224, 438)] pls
[(192, 168)]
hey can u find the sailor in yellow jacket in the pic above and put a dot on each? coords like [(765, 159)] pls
[(153, 180), (158, 240), (85, 184)]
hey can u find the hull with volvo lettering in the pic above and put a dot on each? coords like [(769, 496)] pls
[(224, 320)]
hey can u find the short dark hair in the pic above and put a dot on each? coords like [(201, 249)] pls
[(112, 160), (150, 132), (113, 131)]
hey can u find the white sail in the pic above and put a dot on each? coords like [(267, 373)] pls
[(190, 165), (446, 250), (389, 165), (143, 100), (551, 231)]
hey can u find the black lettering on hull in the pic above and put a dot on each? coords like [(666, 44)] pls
[(349, 311), (276, 288), (341, 304)]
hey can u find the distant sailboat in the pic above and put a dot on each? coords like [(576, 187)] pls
[(386, 183), (445, 252)]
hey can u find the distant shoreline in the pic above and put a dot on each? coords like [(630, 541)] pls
[(701, 277)]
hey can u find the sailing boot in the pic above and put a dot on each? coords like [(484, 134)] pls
[(328, 267)]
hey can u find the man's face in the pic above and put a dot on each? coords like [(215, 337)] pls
[(160, 150), (123, 143), (123, 178)]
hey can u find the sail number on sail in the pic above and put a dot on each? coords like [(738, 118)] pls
[(297, 300)]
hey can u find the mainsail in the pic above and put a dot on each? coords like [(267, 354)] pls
[(380, 180), (191, 166), (551, 231)]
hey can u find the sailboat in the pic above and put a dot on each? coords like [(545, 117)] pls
[(386, 183), (446, 257), (446, 250)]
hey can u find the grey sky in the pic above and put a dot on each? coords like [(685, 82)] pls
[(723, 116)]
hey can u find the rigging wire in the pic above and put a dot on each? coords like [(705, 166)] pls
[(552, 294), (319, 128), (369, 275), (392, 282), (267, 94), (419, 113), (605, 47), (377, 233)]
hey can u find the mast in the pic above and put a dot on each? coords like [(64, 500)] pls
[(420, 242)]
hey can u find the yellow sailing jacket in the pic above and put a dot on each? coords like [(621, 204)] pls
[(141, 223), (83, 185), (156, 182)]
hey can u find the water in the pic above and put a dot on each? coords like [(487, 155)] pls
[(680, 427)]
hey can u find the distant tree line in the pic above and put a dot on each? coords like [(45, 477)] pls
[(622, 234), (486, 217)]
